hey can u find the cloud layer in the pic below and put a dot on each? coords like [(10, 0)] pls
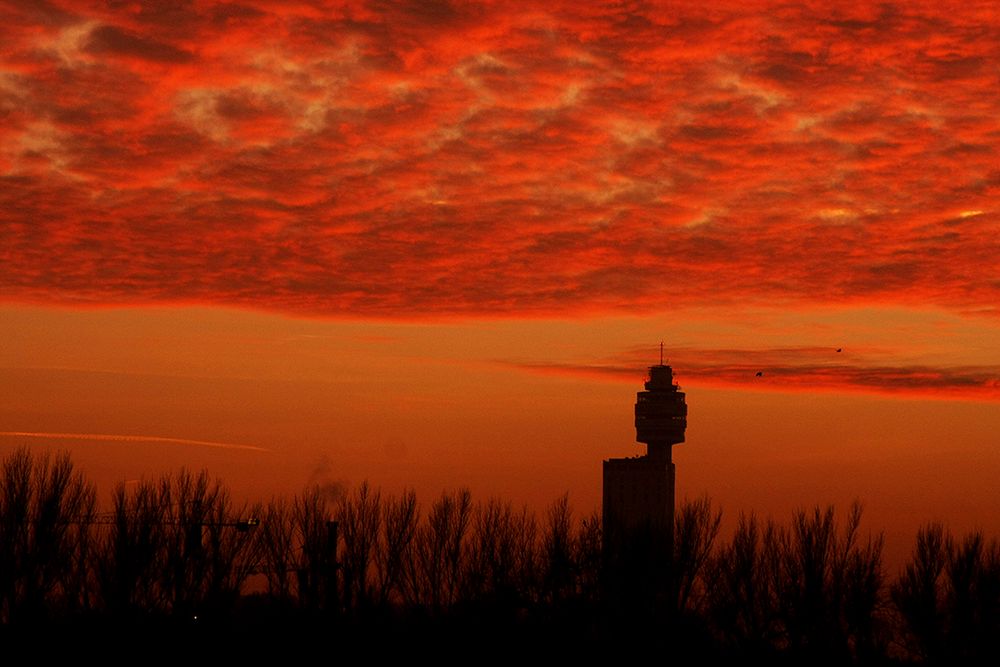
[(791, 369), (428, 158)]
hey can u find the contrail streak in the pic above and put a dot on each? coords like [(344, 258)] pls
[(129, 438)]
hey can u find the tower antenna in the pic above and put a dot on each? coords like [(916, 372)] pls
[(661, 352)]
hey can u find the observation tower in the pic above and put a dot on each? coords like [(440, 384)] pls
[(660, 413), (639, 491)]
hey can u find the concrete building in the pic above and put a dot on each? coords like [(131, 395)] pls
[(638, 507)]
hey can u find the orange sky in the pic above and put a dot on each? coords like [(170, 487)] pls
[(436, 244)]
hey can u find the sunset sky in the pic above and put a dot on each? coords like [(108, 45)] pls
[(436, 244)]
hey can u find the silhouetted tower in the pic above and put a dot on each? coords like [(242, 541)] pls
[(638, 509), (660, 413)]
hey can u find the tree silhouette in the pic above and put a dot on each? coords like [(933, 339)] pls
[(918, 593), (175, 552), (277, 549), (394, 557), (696, 526), (560, 555), (501, 568), (315, 542), (435, 577), (948, 598), (134, 551), (360, 518), (46, 508), (588, 547), (742, 588)]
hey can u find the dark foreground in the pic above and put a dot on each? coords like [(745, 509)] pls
[(176, 571)]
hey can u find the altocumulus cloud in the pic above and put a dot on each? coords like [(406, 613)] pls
[(404, 159)]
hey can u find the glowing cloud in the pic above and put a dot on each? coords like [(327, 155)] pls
[(414, 159), (790, 369)]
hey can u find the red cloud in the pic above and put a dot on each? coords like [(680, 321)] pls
[(789, 369), (413, 159)]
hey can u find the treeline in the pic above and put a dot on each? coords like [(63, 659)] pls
[(177, 552)]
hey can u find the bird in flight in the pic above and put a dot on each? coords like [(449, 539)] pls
[(840, 349), (760, 374)]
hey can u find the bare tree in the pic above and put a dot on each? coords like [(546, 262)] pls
[(808, 552), (948, 598), (434, 579), (133, 555), (46, 509), (742, 591), (360, 518), (829, 583), (394, 556), (276, 545), (501, 567), (559, 555), (317, 550), (231, 553), (696, 526), (588, 545), (201, 572), (859, 585), (176, 546), (918, 593), (811, 590)]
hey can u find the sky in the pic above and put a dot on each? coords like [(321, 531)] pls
[(436, 244)]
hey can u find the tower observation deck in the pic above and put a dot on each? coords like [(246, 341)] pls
[(660, 413)]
